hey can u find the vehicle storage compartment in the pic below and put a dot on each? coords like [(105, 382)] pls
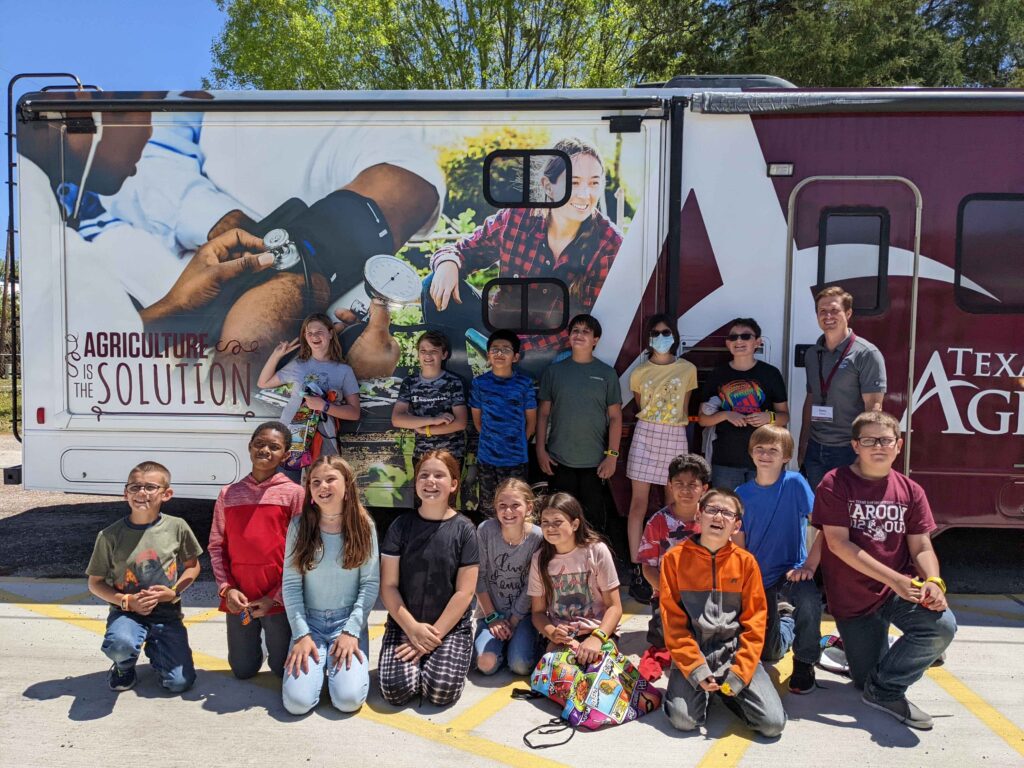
[(187, 467)]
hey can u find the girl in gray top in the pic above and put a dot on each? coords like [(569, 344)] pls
[(507, 543)]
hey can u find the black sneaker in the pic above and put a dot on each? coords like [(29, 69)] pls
[(121, 681), (902, 710), (639, 589), (802, 679)]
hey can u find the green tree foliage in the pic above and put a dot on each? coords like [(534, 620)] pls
[(445, 44), (851, 43), (452, 44)]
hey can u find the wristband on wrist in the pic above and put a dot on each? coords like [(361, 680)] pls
[(771, 417), (601, 635), (493, 617), (933, 579), (426, 430), (124, 602), (613, 454)]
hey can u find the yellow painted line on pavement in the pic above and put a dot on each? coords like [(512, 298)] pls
[(1017, 615), (981, 709), (727, 750), (487, 708), (445, 735), (990, 717), (199, 618)]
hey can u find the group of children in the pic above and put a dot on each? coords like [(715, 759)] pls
[(298, 569)]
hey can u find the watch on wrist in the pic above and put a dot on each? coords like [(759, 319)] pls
[(613, 454), (493, 617), (124, 602)]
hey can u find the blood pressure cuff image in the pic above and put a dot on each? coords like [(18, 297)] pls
[(337, 234)]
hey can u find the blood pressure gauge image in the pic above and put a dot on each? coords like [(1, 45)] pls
[(392, 281)]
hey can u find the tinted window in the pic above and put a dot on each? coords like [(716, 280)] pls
[(853, 251), (990, 253), (513, 178), (539, 305)]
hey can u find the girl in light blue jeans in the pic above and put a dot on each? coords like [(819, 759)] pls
[(331, 579)]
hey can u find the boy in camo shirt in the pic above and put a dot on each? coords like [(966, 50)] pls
[(432, 403)]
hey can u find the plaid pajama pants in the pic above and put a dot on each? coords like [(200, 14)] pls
[(439, 676)]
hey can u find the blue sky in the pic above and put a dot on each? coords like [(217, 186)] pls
[(115, 44)]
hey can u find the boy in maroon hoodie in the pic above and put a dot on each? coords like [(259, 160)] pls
[(250, 521)]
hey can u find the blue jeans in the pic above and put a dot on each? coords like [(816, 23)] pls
[(730, 478), (819, 459), (348, 687), (802, 630), (522, 651), (166, 643), (885, 673)]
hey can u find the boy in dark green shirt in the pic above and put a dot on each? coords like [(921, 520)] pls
[(140, 565), (579, 448)]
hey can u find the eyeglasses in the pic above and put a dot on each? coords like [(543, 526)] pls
[(665, 332), (694, 486), (503, 351), (727, 514), (148, 488), (871, 442), (745, 336)]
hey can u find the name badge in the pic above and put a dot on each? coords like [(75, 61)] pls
[(821, 413)]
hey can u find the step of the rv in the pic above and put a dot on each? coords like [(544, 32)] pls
[(12, 475)]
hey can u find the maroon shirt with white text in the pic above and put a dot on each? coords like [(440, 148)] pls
[(879, 514)]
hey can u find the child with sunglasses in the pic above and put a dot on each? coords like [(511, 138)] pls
[(661, 387), (738, 397)]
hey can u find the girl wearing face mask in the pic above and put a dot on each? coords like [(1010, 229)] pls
[(661, 387)]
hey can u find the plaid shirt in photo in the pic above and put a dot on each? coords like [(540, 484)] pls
[(516, 239)]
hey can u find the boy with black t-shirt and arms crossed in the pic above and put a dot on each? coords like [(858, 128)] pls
[(880, 569)]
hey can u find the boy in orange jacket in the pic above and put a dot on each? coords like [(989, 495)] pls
[(714, 612)]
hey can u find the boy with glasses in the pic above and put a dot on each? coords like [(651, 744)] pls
[(688, 478), (140, 565), (580, 445), (880, 569), (504, 409), (738, 397), (778, 504), (714, 611)]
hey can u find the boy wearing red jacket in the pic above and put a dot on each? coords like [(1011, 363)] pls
[(250, 522), (714, 612)]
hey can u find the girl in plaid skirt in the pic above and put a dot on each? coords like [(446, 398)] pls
[(429, 565), (661, 387)]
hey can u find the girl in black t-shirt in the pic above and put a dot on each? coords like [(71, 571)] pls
[(429, 564)]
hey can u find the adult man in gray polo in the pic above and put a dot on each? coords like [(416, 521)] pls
[(845, 377)]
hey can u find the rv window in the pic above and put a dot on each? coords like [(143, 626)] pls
[(990, 253), (853, 251), (526, 178), (535, 305)]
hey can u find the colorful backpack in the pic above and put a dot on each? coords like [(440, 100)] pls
[(609, 691)]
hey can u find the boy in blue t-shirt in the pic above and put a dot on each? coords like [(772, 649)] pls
[(778, 506), (504, 408)]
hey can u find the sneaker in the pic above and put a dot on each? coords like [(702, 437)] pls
[(902, 710), (639, 589), (121, 681), (786, 609), (802, 679)]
